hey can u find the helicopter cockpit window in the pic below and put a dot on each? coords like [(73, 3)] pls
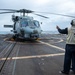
[(23, 23), (31, 23), (36, 23)]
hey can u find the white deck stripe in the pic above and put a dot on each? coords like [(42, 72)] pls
[(52, 46), (34, 56), (13, 71)]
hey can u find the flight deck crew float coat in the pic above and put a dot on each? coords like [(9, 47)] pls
[(71, 36), (69, 48)]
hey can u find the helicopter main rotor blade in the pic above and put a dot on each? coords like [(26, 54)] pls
[(41, 15), (8, 10), (5, 12), (21, 10), (30, 11), (57, 14), (63, 15)]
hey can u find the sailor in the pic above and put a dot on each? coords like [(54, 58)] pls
[(69, 48)]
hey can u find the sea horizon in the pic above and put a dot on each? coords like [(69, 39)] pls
[(43, 32)]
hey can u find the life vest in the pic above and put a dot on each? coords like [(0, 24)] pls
[(71, 35)]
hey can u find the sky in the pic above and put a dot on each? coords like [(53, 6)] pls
[(66, 7)]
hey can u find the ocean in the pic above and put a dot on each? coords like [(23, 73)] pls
[(5, 32), (44, 32), (50, 32)]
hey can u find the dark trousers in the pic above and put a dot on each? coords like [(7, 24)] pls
[(69, 57)]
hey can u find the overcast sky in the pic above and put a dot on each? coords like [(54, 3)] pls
[(54, 6)]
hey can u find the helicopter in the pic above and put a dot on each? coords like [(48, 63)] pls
[(26, 27)]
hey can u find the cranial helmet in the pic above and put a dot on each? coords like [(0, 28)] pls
[(73, 22)]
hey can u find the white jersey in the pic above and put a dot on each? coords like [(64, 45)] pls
[(71, 36)]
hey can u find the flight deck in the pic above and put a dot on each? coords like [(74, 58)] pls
[(44, 56)]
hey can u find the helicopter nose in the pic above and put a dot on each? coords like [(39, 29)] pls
[(35, 31)]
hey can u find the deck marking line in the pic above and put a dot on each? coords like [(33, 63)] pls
[(33, 56), (13, 72), (52, 46)]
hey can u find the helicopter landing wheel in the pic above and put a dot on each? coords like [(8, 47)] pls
[(15, 37)]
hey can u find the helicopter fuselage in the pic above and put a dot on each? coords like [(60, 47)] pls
[(26, 27)]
